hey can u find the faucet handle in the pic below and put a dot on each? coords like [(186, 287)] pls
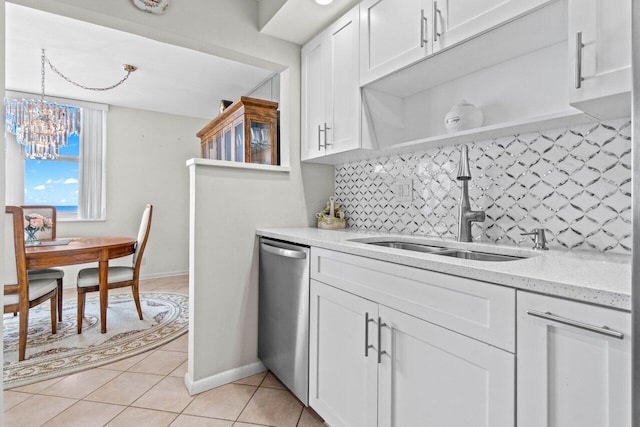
[(539, 238)]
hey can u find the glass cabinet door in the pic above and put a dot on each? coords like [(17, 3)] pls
[(262, 148), (239, 143), (228, 144), (218, 155)]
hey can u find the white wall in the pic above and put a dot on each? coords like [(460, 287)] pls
[(146, 153)]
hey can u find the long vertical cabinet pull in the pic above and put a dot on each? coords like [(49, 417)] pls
[(367, 346), (423, 24), (319, 132), (434, 26), (579, 46), (326, 128), (380, 351)]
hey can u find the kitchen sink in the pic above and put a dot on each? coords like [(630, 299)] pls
[(479, 256), (409, 246), (444, 251)]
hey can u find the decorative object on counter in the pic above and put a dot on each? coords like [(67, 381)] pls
[(332, 217), (244, 132), (157, 7), (463, 116), (224, 103), (33, 223)]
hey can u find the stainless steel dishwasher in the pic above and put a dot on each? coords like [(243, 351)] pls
[(283, 314)]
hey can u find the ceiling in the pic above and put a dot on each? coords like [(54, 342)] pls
[(169, 79), (298, 21)]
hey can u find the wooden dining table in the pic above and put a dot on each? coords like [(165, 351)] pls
[(82, 250)]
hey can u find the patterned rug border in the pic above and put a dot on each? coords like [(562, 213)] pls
[(54, 373)]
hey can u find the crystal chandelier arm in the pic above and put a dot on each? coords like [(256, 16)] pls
[(128, 68)]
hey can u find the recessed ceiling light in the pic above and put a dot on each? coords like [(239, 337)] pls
[(323, 2)]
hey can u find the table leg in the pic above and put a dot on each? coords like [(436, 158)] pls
[(103, 267)]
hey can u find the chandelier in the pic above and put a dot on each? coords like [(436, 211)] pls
[(43, 127)]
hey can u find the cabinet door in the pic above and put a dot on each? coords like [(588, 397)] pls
[(430, 376), (458, 20), (342, 370), (344, 95), (238, 140), (314, 90), (227, 142), (393, 34), (600, 70), (568, 376)]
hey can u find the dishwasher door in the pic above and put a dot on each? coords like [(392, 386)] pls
[(283, 314)]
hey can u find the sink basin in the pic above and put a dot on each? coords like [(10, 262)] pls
[(444, 251), (409, 246), (479, 256)]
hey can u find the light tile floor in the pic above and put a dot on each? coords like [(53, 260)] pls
[(148, 390)]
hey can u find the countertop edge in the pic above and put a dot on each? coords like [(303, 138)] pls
[(608, 291)]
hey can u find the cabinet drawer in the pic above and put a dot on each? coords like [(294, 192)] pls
[(477, 309)]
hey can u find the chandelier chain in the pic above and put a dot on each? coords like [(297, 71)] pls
[(42, 58), (129, 69)]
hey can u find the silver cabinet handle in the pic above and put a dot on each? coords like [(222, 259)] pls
[(436, 12), (579, 46), (423, 24), (287, 253), (380, 351), (326, 128), (319, 132), (367, 346), (604, 330)]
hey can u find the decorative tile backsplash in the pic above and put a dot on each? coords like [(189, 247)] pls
[(575, 183)]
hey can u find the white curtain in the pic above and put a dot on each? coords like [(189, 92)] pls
[(14, 171), (91, 198)]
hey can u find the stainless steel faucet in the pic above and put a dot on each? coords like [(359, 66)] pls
[(465, 215), (539, 238)]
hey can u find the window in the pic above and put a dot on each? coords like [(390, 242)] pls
[(74, 182), (55, 182)]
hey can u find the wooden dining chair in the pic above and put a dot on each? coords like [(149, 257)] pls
[(47, 273), (21, 293), (118, 277)]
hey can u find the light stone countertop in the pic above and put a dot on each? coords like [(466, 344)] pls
[(578, 275)]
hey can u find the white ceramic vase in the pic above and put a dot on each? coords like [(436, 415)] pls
[(463, 116)]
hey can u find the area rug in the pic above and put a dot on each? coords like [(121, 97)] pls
[(166, 316)]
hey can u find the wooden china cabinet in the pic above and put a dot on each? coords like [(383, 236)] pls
[(245, 132)]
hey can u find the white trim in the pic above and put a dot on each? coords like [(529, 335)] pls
[(57, 100), (237, 165), (199, 386)]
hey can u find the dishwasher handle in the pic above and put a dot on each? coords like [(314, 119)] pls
[(287, 253)]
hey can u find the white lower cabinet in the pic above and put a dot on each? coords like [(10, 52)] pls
[(342, 379), (430, 376), (371, 365), (573, 370)]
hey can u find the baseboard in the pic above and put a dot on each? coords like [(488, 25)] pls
[(235, 374)]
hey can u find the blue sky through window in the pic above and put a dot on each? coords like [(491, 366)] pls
[(54, 182)]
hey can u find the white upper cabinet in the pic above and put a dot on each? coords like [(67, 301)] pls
[(314, 103), (573, 370), (344, 91), (600, 57), (331, 105), (392, 34), (459, 20)]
